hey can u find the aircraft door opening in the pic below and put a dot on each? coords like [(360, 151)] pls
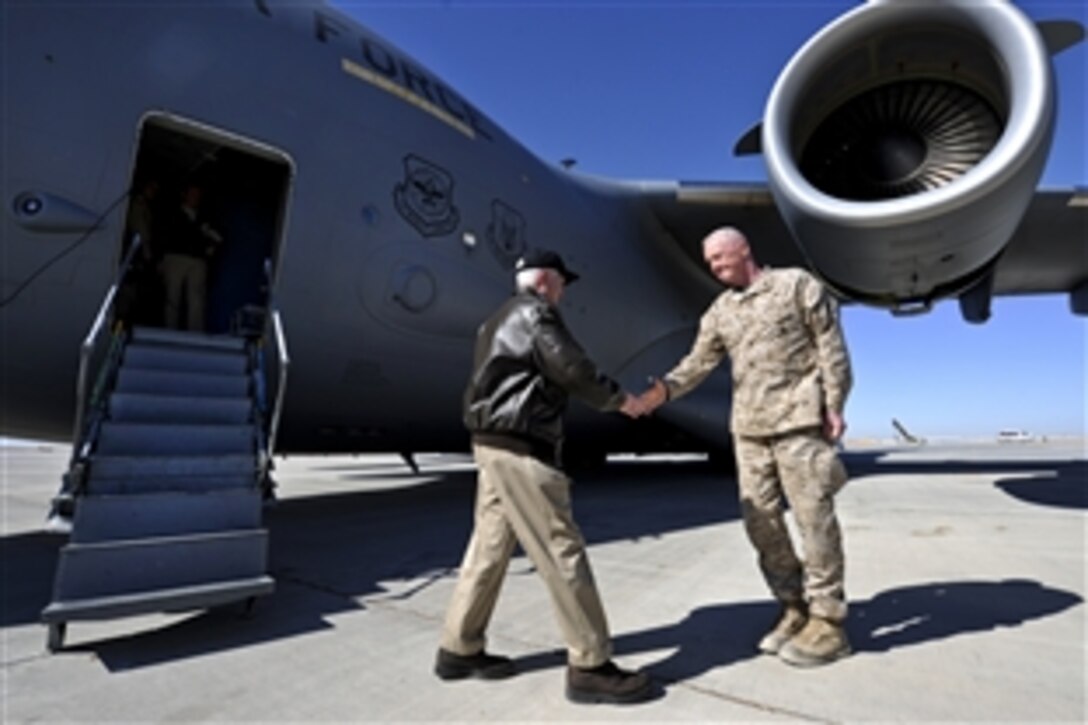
[(230, 228)]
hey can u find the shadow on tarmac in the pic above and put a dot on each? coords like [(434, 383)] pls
[(27, 563), (1065, 488), (1059, 483), (707, 639), (927, 612), (724, 634), (329, 550)]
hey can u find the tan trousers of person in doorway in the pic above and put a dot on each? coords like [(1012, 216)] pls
[(521, 499), (188, 276)]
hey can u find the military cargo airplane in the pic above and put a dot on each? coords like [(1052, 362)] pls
[(380, 212)]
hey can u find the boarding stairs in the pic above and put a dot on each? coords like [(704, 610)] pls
[(168, 481)]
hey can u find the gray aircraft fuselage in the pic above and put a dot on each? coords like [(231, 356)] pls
[(401, 211)]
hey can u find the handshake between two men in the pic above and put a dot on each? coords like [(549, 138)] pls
[(637, 406), (783, 437)]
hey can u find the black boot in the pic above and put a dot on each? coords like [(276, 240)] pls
[(450, 666), (607, 683)]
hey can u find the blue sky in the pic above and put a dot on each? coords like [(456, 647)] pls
[(661, 90)]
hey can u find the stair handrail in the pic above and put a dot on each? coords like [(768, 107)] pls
[(91, 340), (281, 382), (274, 319)]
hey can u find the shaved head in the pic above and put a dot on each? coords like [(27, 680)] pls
[(729, 239), (729, 257)]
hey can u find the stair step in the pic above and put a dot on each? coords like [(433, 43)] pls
[(151, 439), (177, 599), (166, 484), (146, 356), (113, 517), (147, 408), (138, 467), (135, 566), (185, 338), (170, 517), (111, 475), (161, 382)]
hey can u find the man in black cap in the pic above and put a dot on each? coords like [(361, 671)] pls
[(526, 364)]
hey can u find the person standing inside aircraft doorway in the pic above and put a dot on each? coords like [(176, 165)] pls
[(791, 375), (139, 299), (526, 365), (189, 243)]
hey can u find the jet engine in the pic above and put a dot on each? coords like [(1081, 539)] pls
[(904, 142)]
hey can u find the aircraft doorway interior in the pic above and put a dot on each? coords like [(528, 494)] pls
[(204, 199)]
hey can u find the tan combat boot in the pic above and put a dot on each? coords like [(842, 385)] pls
[(793, 618), (819, 643)]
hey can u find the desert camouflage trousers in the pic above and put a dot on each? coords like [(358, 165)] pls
[(802, 469)]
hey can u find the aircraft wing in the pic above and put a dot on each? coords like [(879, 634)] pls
[(685, 212), (904, 144), (1048, 253)]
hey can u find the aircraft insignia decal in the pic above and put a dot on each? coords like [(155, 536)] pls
[(506, 233), (425, 197)]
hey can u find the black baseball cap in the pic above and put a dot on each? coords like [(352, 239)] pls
[(546, 259)]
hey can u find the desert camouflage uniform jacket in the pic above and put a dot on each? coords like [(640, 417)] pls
[(787, 351)]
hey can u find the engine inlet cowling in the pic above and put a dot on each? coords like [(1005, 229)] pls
[(900, 139), (905, 140)]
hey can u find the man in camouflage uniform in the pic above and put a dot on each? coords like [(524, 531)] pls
[(791, 376)]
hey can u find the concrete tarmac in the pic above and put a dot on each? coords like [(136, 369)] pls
[(965, 574)]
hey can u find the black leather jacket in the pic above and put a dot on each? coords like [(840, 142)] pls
[(526, 364)]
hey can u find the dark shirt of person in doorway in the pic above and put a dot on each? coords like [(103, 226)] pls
[(190, 242)]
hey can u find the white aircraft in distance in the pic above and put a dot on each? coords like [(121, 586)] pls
[(1014, 435), (373, 216)]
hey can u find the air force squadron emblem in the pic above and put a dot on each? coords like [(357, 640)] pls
[(425, 197), (506, 233)]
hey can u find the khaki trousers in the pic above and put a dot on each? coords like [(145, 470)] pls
[(804, 467), (519, 499), (186, 275)]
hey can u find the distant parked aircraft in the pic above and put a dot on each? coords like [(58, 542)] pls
[(1014, 435), (905, 435)]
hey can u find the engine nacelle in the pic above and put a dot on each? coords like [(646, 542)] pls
[(904, 142)]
